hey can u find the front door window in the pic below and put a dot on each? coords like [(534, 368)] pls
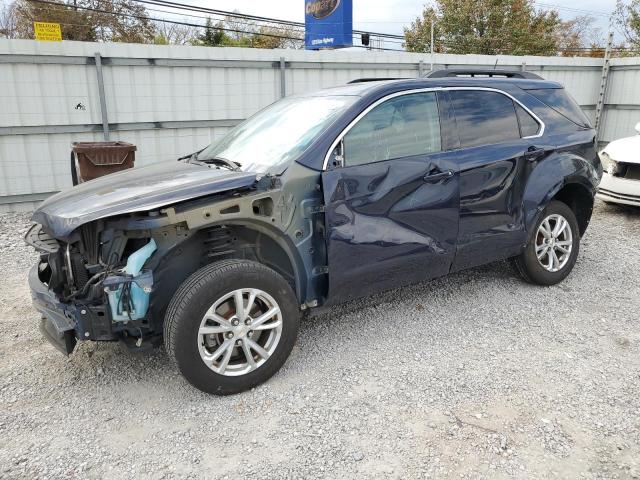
[(403, 126)]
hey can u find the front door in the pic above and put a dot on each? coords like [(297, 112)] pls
[(392, 206)]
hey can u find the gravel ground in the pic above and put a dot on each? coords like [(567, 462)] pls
[(477, 375)]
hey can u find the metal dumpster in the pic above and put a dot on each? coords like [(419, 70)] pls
[(91, 160)]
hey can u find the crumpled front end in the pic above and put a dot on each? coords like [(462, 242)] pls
[(58, 322), (83, 297)]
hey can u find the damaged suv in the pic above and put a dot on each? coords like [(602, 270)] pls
[(315, 200)]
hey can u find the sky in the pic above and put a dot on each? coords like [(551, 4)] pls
[(389, 16)]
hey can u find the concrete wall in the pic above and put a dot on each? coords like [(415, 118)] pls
[(172, 100)]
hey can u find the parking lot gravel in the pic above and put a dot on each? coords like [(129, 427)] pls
[(476, 375)]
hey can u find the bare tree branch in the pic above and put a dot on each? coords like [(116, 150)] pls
[(7, 20)]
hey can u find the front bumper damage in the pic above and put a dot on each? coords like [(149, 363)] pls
[(58, 319), (74, 304), (63, 324), (619, 190)]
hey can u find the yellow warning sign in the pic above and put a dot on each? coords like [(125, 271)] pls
[(48, 32)]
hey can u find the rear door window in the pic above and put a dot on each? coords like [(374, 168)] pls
[(484, 118), (563, 103)]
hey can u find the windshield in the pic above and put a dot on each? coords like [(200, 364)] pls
[(278, 134)]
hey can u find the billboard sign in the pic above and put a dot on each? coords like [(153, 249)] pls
[(328, 24)]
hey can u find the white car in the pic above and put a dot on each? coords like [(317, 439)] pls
[(621, 178)]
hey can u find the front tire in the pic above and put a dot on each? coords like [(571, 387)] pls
[(552, 249), (231, 326)]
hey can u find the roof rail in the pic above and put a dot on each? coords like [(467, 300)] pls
[(362, 80), (481, 72)]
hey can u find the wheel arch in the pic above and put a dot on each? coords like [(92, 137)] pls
[(286, 254), (239, 239), (566, 178), (579, 199)]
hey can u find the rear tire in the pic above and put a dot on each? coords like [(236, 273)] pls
[(211, 339), (553, 247)]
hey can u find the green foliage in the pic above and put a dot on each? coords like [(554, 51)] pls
[(487, 27), (233, 33), (160, 40), (125, 21), (212, 36)]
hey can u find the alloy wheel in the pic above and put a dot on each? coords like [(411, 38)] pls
[(554, 242), (239, 332)]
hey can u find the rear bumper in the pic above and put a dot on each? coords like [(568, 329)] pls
[(619, 190), (58, 324)]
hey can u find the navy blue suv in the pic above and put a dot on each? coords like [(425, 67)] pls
[(317, 199)]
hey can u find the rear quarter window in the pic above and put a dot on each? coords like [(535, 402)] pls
[(529, 127), (559, 100)]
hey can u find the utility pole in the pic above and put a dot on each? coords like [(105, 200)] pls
[(433, 23)]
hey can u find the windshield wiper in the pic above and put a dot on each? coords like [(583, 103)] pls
[(191, 157), (219, 161)]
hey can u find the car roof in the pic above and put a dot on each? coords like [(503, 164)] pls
[(363, 87)]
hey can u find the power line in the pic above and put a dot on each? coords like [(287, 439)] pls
[(219, 19), (268, 25), (237, 15), (142, 17), (198, 25), (177, 5), (575, 10), (290, 23), (225, 13), (296, 26), (203, 17), (450, 44)]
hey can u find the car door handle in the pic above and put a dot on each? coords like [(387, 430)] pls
[(534, 153), (435, 177)]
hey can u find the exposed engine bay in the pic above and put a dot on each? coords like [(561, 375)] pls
[(112, 278), (102, 272)]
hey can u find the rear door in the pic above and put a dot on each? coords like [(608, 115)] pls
[(392, 207), (499, 146)]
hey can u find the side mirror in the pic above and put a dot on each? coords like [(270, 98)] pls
[(638, 127)]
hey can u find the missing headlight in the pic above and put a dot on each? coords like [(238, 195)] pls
[(608, 164)]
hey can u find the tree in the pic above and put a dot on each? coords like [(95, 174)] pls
[(627, 18), (213, 35), (488, 27), (270, 36), (7, 21), (168, 33), (75, 24), (417, 38), (225, 33), (232, 32), (127, 21), (578, 37), (117, 20)]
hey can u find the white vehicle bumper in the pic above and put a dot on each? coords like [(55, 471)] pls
[(619, 190)]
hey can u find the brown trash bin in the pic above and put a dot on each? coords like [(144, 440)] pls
[(91, 160)]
